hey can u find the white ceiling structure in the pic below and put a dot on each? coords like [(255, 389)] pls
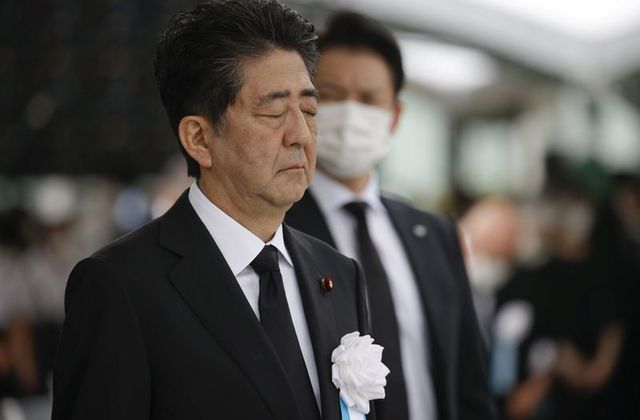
[(589, 42)]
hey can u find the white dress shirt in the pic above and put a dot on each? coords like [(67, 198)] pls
[(239, 248), (331, 196)]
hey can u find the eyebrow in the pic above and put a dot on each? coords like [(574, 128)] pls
[(280, 94)]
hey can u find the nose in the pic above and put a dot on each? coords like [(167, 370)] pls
[(298, 130)]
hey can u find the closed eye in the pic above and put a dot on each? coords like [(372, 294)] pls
[(272, 115)]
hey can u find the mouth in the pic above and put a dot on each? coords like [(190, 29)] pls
[(294, 167)]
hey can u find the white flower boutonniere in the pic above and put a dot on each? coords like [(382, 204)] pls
[(358, 371)]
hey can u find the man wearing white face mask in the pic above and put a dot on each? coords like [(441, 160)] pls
[(420, 300)]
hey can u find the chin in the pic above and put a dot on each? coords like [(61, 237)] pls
[(292, 195), (287, 193), (296, 195)]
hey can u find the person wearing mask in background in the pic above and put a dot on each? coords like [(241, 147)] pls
[(215, 310), (421, 305)]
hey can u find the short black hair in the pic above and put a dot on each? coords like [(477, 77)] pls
[(198, 63), (354, 30)]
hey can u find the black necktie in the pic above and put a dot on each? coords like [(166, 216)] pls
[(385, 324), (276, 321)]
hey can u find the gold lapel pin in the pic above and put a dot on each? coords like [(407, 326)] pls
[(326, 283)]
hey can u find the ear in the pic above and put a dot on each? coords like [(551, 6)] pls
[(195, 135), (398, 106)]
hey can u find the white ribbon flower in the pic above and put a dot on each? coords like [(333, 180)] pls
[(358, 371)]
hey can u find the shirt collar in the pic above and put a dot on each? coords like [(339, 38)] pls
[(238, 245), (332, 195)]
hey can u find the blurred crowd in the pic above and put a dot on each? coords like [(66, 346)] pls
[(556, 286), (47, 224)]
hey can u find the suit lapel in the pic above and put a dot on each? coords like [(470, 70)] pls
[(206, 283), (320, 316), (307, 216)]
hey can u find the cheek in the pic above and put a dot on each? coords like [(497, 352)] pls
[(254, 147), (262, 157), (310, 151)]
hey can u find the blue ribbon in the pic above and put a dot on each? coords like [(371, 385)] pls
[(344, 410)]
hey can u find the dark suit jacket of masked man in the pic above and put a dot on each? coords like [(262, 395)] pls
[(457, 353)]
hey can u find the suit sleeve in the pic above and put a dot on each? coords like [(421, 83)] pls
[(474, 398), (101, 370)]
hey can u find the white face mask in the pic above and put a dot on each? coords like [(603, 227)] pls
[(352, 137)]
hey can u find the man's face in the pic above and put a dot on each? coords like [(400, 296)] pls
[(357, 75), (265, 153)]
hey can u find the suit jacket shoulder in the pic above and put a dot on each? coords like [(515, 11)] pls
[(441, 228)]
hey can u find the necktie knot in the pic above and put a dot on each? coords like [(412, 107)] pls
[(266, 261), (357, 209)]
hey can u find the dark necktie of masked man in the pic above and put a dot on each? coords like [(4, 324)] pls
[(385, 325)]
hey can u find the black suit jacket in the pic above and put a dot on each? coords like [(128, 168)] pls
[(458, 355), (157, 327)]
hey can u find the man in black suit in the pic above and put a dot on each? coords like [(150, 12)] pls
[(217, 310), (420, 299)]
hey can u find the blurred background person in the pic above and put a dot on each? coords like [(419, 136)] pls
[(18, 368), (617, 233), (569, 341), (420, 299), (490, 232), (45, 226)]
